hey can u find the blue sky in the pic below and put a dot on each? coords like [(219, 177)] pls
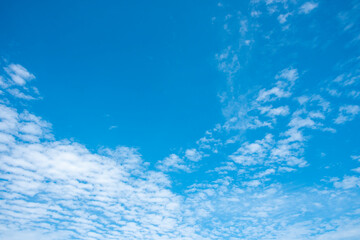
[(180, 120), (142, 67)]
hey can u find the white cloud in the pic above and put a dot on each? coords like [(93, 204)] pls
[(268, 151), (36, 235), (290, 74), (253, 153), (265, 173), (272, 94), (16, 93), (228, 61), (253, 183), (346, 232), (282, 88), (347, 113), (173, 163), (354, 94), (298, 122), (113, 127), (61, 190), (255, 13), (14, 84), (18, 74), (47, 183), (193, 155), (273, 112), (308, 7), (281, 214), (334, 92), (228, 167), (282, 18), (348, 182)]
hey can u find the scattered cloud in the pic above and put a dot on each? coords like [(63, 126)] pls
[(16, 93), (173, 163), (273, 94), (347, 183), (193, 155), (307, 7), (273, 112), (19, 75), (282, 18), (50, 183), (347, 113), (282, 88), (58, 189), (15, 81)]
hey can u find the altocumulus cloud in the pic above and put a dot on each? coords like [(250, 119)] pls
[(58, 189)]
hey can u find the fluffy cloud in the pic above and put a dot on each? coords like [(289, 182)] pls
[(58, 189), (245, 189), (193, 155), (62, 189)]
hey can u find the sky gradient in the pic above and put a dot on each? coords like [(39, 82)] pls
[(180, 120)]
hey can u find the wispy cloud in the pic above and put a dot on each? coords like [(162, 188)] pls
[(60, 183), (193, 155), (173, 163), (348, 182), (16, 93), (282, 18), (19, 75), (250, 176), (347, 113), (113, 127), (307, 7), (14, 83)]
